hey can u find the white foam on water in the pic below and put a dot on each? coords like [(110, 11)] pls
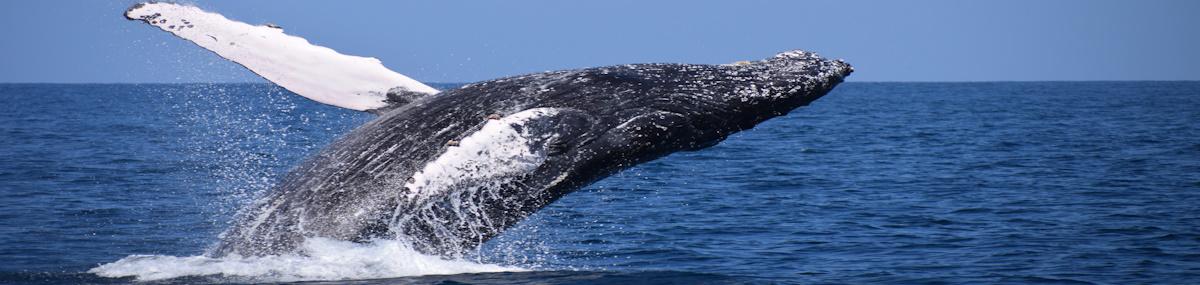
[(323, 259)]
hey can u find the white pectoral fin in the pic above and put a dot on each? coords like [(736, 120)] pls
[(318, 73)]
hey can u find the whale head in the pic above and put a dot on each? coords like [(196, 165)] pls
[(748, 93), (779, 84), (689, 107)]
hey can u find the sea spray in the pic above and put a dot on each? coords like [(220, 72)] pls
[(243, 137)]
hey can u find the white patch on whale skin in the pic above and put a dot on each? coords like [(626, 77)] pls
[(499, 154), (496, 153), (319, 73)]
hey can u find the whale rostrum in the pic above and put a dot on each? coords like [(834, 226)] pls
[(448, 171)]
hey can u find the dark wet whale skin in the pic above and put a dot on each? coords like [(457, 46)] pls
[(607, 119)]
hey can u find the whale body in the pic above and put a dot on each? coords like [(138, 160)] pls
[(447, 171)]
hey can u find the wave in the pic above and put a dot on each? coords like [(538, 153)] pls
[(321, 260)]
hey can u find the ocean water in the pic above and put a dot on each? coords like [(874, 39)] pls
[(1026, 183)]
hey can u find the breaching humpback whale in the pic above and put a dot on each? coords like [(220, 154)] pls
[(447, 171)]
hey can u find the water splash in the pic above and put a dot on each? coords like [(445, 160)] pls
[(319, 259), (242, 136)]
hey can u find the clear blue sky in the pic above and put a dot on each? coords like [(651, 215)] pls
[(461, 41)]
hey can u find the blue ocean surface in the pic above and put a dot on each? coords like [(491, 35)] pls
[(901, 183)]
